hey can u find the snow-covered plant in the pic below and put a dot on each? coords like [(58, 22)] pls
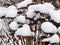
[(24, 3), (2, 11), (55, 15), (52, 39), (13, 25), (48, 27), (21, 23), (11, 11), (49, 5), (24, 31), (30, 13), (42, 8), (59, 29), (20, 19)]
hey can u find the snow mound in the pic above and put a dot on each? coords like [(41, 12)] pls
[(30, 14), (24, 3), (33, 7), (24, 31), (59, 29), (56, 16), (52, 39), (21, 19), (38, 7), (2, 11), (49, 5), (11, 11), (48, 27), (13, 25), (42, 8)]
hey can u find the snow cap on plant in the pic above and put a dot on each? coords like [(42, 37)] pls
[(52, 39), (24, 3), (48, 27), (11, 11), (24, 31), (21, 19), (13, 25)]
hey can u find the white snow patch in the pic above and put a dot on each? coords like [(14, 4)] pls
[(52, 39), (55, 15), (49, 5), (59, 29), (43, 8), (11, 11), (2, 11), (48, 27), (13, 25), (24, 3), (21, 19), (38, 7), (24, 31), (30, 14), (51, 11)]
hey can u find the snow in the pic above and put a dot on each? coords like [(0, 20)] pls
[(59, 29), (55, 15), (30, 13), (33, 7), (11, 11), (24, 3), (51, 12), (38, 7), (52, 39), (21, 19), (43, 8), (24, 31), (2, 11), (13, 25), (49, 5), (48, 27)]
